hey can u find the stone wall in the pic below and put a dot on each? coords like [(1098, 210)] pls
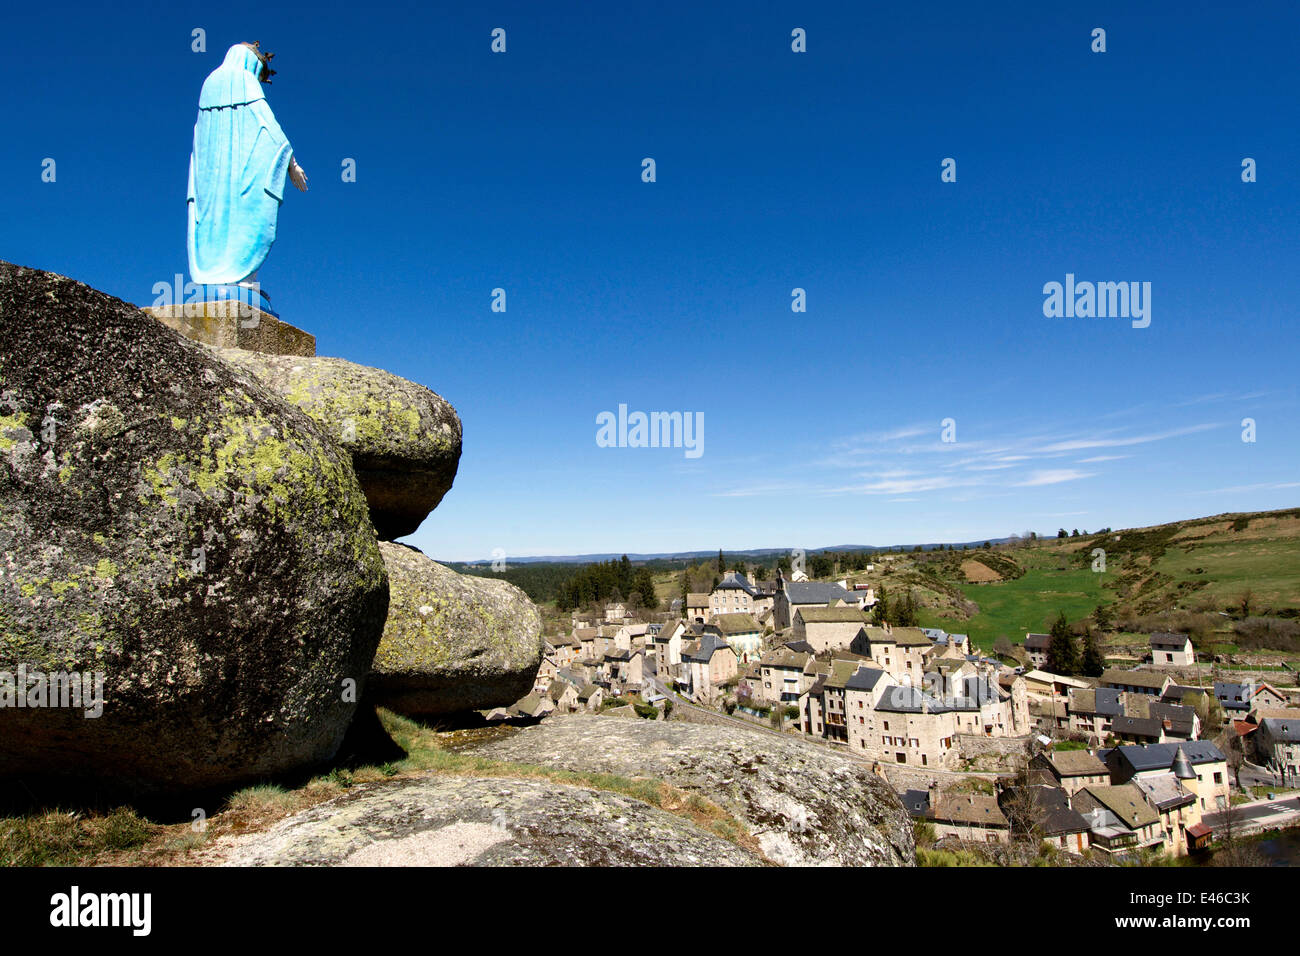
[(973, 746)]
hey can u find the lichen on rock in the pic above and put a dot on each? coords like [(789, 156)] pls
[(806, 806), (404, 439), (182, 530), (452, 642)]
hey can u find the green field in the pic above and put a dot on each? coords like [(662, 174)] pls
[(1268, 567), (1029, 603), (1202, 563)]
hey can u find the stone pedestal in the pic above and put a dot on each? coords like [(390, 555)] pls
[(235, 325)]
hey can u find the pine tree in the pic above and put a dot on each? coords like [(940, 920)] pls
[(1093, 664), (722, 564), (908, 617), (1062, 654)]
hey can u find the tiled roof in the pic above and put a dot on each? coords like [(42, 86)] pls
[(1151, 679), (1075, 763), (1127, 803), (735, 623), (784, 657), (968, 808), (833, 615)]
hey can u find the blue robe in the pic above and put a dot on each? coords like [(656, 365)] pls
[(237, 173)]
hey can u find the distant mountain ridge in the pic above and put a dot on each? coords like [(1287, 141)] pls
[(712, 553)]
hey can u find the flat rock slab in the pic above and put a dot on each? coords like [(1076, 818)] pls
[(805, 806), (482, 821), (235, 325)]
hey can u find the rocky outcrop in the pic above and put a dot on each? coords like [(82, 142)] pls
[(805, 806), (404, 439), (452, 642), (470, 821), (172, 525)]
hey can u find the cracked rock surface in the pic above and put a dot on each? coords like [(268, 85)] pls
[(807, 807)]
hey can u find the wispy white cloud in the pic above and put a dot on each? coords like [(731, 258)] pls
[(1052, 476), (1080, 444), (1262, 486)]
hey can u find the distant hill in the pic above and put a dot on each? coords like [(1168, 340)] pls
[(757, 554)]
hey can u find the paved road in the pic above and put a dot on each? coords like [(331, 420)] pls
[(1269, 814), (1252, 775)]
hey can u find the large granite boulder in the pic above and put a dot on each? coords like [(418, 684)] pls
[(404, 439), (806, 806), (468, 821), (168, 523), (453, 642)]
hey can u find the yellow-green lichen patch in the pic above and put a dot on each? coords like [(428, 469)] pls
[(8, 424), (294, 475)]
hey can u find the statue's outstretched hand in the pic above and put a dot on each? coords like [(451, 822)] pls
[(296, 175)]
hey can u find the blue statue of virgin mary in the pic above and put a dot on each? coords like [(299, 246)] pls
[(237, 171)]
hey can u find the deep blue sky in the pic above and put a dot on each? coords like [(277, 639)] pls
[(775, 170)]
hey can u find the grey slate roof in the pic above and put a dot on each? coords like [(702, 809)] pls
[(1143, 757), (735, 581), (1282, 729), (865, 678), (910, 700), (1148, 727), (917, 802), (815, 592), (1233, 696), (708, 645), (1049, 807)]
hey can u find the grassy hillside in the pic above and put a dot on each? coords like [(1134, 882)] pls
[(1203, 565), (1030, 602)]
